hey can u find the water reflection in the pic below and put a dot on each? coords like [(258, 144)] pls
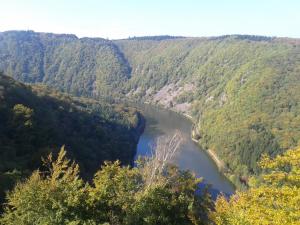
[(160, 122)]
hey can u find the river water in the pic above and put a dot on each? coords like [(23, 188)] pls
[(190, 156)]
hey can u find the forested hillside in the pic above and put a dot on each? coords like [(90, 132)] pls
[(35, 121), (130, 196), (242, 91), (85, 67)]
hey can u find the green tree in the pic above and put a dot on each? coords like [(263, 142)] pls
[(22, 115), (52, 198), (275, 200), (117, 195)]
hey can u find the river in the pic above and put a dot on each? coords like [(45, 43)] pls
[(190, 156)]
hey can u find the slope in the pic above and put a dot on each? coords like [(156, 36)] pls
[(35, 121), (85, 67), (241, 91)]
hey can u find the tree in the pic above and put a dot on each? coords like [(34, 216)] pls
[(163, 152), (112, 194), (56, 197), (116, 195), (22, 115), (152, 193), (274, 200)]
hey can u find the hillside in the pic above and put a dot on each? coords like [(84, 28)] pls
[(242, 91), (85, 67), (35, 121)]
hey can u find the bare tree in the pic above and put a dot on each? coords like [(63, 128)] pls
[(163, 152)]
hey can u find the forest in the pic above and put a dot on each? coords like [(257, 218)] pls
[(241, 90), (36, 121), (124, 195), (68, 143)]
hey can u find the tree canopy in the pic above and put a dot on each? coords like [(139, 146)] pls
[(117, 195), (273, 199), (35, 121), (241, 90)]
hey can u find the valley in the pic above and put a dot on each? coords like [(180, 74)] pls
[(150, 112), (36, 121), (241, 91), (189, 157)]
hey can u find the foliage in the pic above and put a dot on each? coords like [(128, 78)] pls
[(275, 200), (35, 121), (121, 195), (84, 67), (118, 195), (22, 115), (54, 198), (244, 96), (154, 38)]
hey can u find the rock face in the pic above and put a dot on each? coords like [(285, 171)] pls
[(183, 107), (167, 96), (242, 91)]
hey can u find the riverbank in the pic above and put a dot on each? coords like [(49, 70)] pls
[(138, 130), (220, 164), (214, 156), (160, 121), (140, 125), (195, 136)]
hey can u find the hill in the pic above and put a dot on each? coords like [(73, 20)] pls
[(35, 121), (84, 67), (240, 90)]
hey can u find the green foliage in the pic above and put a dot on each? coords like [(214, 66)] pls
[(22, 115), (244, 96), (118, 195), (8, 181), (35, 121), (84, 67), (54, 198), (274, 200)]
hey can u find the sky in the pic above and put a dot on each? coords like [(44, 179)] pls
[(116, 19)]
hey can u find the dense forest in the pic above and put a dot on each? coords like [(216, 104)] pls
[(84, 67), (241, 90), (124, 195), (35, 121)]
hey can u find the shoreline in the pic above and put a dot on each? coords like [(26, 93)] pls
[(218, 162), (214, 156)]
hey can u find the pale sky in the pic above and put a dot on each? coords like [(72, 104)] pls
[(123, 18)]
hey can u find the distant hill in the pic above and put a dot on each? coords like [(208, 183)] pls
[(154, 38), (242, 91), (84, 67)]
